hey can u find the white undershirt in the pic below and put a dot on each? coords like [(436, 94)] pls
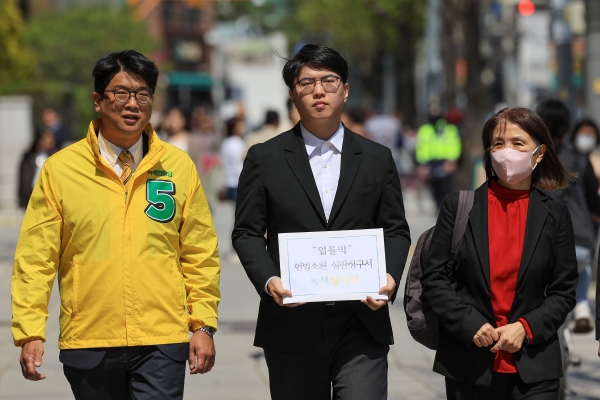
[(110, 152), (325, 158)]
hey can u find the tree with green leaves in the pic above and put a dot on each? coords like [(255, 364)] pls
[(17, 62), (68, 43), (365, 30)]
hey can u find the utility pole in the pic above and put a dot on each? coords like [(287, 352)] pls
[(432, 52), (562, 36), (592, 79)]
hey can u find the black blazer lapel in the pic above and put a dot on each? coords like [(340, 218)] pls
[(478, 219), (297, 159), (351, 158), (536, 218)]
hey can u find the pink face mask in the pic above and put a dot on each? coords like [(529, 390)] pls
[(511, 165)]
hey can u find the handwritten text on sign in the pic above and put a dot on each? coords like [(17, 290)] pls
[(338, 265)]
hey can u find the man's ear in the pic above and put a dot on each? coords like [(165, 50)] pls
[(97, 98), (347, 91)]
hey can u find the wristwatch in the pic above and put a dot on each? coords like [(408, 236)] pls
[(209, 330)]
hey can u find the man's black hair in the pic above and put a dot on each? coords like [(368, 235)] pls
[(557, 118), (271, 117), (129, 61), (315, 56)]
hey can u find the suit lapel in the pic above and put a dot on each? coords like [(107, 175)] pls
[(351, 158), (297, 159), (536, 218), (478, 219)]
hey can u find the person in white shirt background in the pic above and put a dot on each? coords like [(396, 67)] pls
[(233, 150)]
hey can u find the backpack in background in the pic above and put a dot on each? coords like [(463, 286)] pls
[(421, 320)]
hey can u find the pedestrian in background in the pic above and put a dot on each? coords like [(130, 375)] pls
[(582, 199), (122, 218), (268, 131), (43, 147), (437, 152), (53, 122), (386, 130), (586, 140), (233, 150), (320, 177), (204, 147), (174, 125), (354, 119), (502, 300)]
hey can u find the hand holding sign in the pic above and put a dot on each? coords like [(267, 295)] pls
[(279, 293), (334, 266), (387, 289)]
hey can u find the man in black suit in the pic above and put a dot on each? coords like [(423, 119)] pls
[(320, 176)]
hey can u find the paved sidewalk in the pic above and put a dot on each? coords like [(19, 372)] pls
[(240, 372)]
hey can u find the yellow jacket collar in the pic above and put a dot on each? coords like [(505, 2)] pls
[(156, 148)]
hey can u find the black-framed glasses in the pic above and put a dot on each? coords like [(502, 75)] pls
[(330, 84), (123, 95)]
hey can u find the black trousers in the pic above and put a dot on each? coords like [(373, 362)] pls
[(138, 372), (503, 387), (346, 360), (441, 187)]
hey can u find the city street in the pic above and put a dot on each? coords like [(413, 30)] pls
[(240, 371)]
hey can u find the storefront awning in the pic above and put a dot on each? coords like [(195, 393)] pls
[(191, 80)]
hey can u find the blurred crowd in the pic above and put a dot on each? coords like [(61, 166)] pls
[(427, 158), (218, 147)]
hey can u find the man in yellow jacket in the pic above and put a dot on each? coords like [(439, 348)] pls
[(122, 218)]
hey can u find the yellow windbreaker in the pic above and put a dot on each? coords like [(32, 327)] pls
[(137, 265)]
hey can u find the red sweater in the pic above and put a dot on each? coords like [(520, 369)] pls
[(507, 218)]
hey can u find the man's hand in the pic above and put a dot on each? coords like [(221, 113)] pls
[(598, 350), (387, 289), (511, 338), (485, 336), (423, 171), (31, 358), (202, 353), (278, 292)]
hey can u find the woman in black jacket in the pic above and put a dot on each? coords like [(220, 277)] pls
[(501, 303)]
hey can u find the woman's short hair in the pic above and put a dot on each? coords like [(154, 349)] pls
[(550, 173), (318, 57)]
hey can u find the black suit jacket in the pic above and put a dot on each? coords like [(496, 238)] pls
[(544, 295), (277, 193)]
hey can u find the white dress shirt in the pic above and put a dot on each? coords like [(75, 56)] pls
[(325, 158), (111, 152)]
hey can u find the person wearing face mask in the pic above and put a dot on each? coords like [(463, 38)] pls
[(590, 145), (585, 140), (580, 196), (502, 299)]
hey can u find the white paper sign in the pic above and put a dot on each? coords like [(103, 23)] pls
[(332, 265)]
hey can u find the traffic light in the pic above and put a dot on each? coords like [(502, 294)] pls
[(526, 7)]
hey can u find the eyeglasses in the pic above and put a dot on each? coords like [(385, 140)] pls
[(123, 95), (330, 84)]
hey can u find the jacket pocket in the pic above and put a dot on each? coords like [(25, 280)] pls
[(76, 289), (365, 187), (182, 291)]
